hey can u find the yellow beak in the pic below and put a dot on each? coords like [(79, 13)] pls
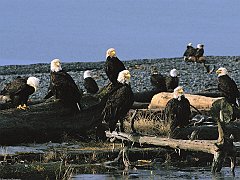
[(180, 91), (57, 64), (128, 76), (112, 53), (218, 71)]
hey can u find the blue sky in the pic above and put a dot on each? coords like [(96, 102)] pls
[(82, 30)]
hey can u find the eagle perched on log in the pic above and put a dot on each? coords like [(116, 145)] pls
[(63, 87), (113, 66), (177, 111), (19, 90), (228, 87), (119, 101)]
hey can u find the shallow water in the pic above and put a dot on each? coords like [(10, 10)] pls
[(164, 173)]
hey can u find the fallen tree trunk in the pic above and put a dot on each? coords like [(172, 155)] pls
[(221, 148), (47, 121), (206, 132), (200, 102)]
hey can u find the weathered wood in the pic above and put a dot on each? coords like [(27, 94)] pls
[(48, 121), (200, 102), (206, 132), (221, 148), (140, 105), (195, 145), (145, 96)]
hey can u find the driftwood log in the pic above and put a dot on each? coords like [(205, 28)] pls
[(221, 148), (47, 121), (146, 96), (200, 102)]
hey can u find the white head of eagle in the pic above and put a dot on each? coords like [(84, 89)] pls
[(178, 92), (56, 65), (124, 77), (221, 71), (34, 82), (87, 74), (173, 73), (200, 46), (111, 52)]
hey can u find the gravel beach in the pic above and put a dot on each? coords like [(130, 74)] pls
[(193, 76)]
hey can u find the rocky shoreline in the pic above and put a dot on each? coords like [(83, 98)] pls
[(193, 76)]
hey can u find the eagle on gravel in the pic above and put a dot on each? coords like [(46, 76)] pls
[(177, 111), (189, 52), (19, 90), (63, 87), (119, 101), (165, 83), (172, 81), (113, 66), (89, 83), (228, 87), (158, 81)]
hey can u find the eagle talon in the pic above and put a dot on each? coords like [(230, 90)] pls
[(23, 107)]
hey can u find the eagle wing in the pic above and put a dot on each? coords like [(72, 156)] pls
[(189, 52), (63, 86), (118, 104), (15, 87), (171, 83), (66, 81), (158, 81), (112, 67), (228, 86), (177, 113), (90, 85)]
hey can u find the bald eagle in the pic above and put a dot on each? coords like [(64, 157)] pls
[(165, 83), (177, 111), (63, 87), (119, 101), (199, 51), (158, 81), (172, 81), (89, 83), (189, 52), (228, 87), (19, 90), (113, 66)]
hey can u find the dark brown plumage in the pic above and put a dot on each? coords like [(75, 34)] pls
[(177, 111), (119, 101), (228, 87), (113, 66), (63, 87), (19, 90)]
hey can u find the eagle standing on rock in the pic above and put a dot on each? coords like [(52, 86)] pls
[(228, 87), (63, 87), (19, 90), (89, 83), (177, 111), (113, 66), (120, 100), (189, 52)]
